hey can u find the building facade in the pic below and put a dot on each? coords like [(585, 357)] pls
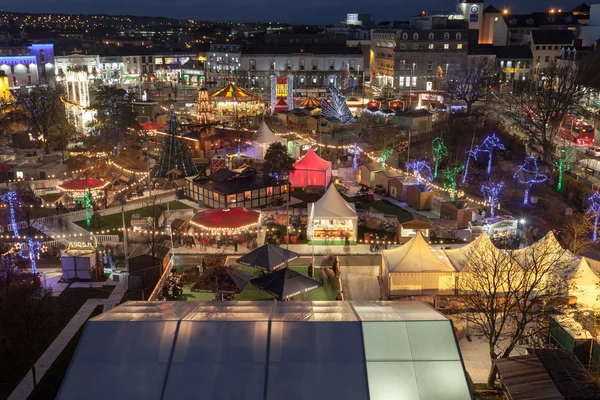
[(546, 47), (223, 64), (27, 65), (87, 63)]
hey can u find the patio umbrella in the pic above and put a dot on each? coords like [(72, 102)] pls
[(267, 257), (285, 283), (230, 280)]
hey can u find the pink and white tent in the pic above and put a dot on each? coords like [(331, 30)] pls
[(311, 170)]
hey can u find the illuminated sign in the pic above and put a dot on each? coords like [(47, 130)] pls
[(509, 70), (352, 17), (81, 245), (281, 86), (473, 17)]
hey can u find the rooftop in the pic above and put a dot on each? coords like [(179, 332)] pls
[(230, 182), (514, 52), (552, 37), (268, 350)]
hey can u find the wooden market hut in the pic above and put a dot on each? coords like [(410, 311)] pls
[(384, 177), (397, 186), (365, 174), (420, 197)]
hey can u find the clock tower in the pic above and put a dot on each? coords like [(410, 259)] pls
[(472, 10)]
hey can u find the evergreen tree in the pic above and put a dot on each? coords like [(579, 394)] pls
[(174, 153), (335, 106)]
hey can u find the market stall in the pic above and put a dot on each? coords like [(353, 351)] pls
[(311, 170), (261, 141), (76, 188), (416, 269), (332, 219), (230, 226)]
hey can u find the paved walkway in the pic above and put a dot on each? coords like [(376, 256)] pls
[(360, 282), (25, 387), (304, 249)]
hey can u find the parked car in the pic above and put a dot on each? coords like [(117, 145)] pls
[(595, 151)]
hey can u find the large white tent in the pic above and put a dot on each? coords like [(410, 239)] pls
[(415, 269), (582, 282), (459, 258), (254, 350), (262, 139), (546, 250), (331, 218)]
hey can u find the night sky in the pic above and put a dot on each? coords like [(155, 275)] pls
[(303, 11)]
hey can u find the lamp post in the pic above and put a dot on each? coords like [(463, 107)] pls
[(122, 200)]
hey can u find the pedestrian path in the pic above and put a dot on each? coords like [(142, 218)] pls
[(361, 282), (43, 364)]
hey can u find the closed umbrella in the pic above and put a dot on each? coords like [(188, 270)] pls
[(267, 257), (285, 283)]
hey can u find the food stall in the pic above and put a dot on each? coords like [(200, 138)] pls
[(332, 219)]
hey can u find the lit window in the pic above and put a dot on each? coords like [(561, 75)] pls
[(495, 19), (231, 198), (431, 46), (459, 46), (270, 191), (247, 195), (446, 46), (284, 189)]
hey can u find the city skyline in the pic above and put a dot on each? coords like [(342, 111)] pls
[(243, 11)]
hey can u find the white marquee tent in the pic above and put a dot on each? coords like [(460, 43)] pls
[(332, 216), (262, 139), (416, 269), (582, 282)]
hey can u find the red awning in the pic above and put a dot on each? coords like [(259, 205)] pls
[(312, 161), (226, 219), (152, 126), (5, 167), (83, 184), (281, 105)]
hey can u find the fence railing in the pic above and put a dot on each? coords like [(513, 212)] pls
[(158, 288)]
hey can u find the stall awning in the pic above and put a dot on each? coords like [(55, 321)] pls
[(226, 219), (415, 256), (333, 205)]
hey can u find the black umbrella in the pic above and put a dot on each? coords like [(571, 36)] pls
[(267, 257), (240, 278), (285, 283), (228, 279)]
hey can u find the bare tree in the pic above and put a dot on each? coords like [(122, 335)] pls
[(7, 114), (470, 80), (505, 293), (42, 109), (576, 233), (538, 108), (27, 310), (385, 139)]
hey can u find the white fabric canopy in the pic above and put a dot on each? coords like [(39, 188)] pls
[(460, 257), (583, 283), (415, 256), (264, 135), (549, 248), (332, 206)]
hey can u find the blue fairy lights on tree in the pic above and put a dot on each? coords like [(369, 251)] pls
[(421, 170), (594, 210), (529, 174), (491, 194)]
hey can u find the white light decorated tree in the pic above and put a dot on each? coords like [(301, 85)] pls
[(335, 106)]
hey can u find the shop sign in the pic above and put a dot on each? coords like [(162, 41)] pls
[(81, 245), (473, 17), (509, 70)]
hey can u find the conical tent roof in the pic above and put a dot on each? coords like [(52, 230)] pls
[(312, 161), (281, 105), (549, 247), (285, 283), (583, 282), (415, 256), (460, 257), (267, 257), (265, 135), (333, 205)]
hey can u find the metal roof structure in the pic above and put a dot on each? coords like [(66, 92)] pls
[(268, 350)]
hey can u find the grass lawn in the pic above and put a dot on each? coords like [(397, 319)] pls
[(13, 368), (49, 385), (115, 221), (385, 207), (328, 291)]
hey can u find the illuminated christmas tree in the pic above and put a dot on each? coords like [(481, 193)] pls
[(174, 154), (450, 175), (594, 211), (420, 169), (491, 194), (334, 106)]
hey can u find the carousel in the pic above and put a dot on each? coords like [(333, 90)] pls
[(223, 227), (77, 189), (235, 102), (310, 102)]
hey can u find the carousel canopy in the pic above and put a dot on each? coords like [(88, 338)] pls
[(285, 283), (333, 205), (281, 105), (233, 92), (415, 256), (310, 102), (83, 184), (226, 219), (267, 257), (152, 126)]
